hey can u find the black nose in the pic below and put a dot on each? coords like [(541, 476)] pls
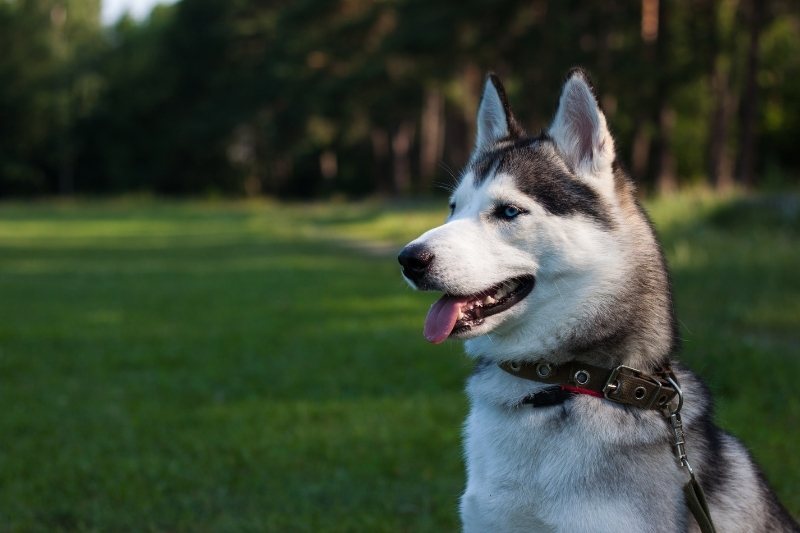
[(415, 260)]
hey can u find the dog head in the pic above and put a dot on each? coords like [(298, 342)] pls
[(543, 238)]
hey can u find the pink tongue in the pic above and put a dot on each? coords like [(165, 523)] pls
[(442, 317)]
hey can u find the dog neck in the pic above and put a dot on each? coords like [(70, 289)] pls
[(636, 349)]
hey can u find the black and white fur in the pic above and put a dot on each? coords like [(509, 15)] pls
[(601, 295)]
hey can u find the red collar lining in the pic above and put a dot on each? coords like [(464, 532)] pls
[(581, 390)]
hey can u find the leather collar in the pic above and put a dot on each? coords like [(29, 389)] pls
[(622, 384)]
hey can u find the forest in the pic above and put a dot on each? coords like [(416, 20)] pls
[(312, 99)]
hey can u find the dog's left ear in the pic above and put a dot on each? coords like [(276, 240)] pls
[(495, 119), (579, 128)]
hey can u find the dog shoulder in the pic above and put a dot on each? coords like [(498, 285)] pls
[(737, 491)]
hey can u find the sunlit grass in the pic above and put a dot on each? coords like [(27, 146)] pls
[(251, 366)]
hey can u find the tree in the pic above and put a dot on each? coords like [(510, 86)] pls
[(308, 98)]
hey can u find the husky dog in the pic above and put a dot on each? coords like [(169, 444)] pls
[(548, 259)]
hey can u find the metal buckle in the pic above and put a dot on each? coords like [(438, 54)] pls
[(612, 383), (674, 417)]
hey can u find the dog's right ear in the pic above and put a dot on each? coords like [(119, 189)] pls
[(495, 120), (579, 128)]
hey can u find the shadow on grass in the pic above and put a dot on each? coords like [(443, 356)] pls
[(761, 213)]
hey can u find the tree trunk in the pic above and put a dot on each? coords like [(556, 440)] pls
[(651, 20), (328, 164), (282, 167), (642, 163), (745, 171), (431, 138), (458, 142), (402, 140), (640, 150), (380, 153), (666, 178), (473, 85), (66, 176), (719, 164), (720, 168), (664, 159)]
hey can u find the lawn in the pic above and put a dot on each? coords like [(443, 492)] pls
[(236, 366)]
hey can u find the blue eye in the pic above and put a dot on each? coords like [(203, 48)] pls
[(452, 207), (508, 212)]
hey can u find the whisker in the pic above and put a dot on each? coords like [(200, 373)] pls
[(449, 187)]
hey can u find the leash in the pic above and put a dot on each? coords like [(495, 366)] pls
[(627, 386), (695, 497)]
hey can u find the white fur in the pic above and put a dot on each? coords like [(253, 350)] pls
[(528, 472)]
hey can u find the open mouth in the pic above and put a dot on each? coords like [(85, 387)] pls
[(452, 315)]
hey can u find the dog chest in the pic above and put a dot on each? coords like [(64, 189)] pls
[(532, 469)]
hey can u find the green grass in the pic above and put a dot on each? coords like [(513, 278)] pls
[(198, 366)]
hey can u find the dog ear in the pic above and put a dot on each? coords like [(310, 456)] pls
[(579, 128), (495, 119)]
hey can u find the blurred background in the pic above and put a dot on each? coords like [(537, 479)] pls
[(308, 98), (202, 322)]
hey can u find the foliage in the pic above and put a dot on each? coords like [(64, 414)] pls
[(194, 366), (307, 98)]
